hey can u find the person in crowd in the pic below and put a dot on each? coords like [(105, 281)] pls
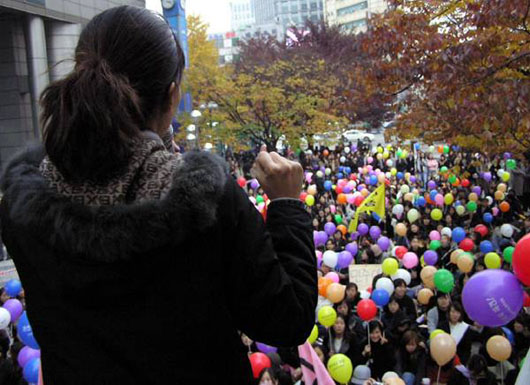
[(475, 372), (378, 350), (438, 314), (463, 334), (405, 302), (411, 358), (341, 340)]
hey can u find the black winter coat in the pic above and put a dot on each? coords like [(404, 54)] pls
[(156, 292)]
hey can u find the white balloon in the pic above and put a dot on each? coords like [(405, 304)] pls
[(5, 318), (500, 172), (385, 284), (320, 174), (328, 171), (507, 230), (347, 150), (330, 258), (398, 209), (364, 294), (389, 163), (405, 189), (490, 200), (447, 232), (342, 159), (403, 274)]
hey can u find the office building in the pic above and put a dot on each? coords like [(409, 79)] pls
[(352, 15)]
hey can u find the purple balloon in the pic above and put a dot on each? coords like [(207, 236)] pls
[(383, 243), (323, 237), (430, 257), (507, 155), (431, 185), (487, 176), (254, 184), (15, 308), (477, 190), (264, 348), (493, 297), (362, 229), (346, 189), (330, 228), (354, 236), (375, 232), (344, 259), (412, 179), (352, 248), (26, 354)]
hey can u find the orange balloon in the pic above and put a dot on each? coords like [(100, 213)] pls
[(456, 183), (342, 229), (502, 187), (443, 348), (440, 149), (424, 296), (504, 206), (427, 276), (335, 292), (323, 284), (365, 192), (455, 254), (465, 262), (325, 152), (499, 348), (499, 195), (401, 229), (473, 197), (341, 198)]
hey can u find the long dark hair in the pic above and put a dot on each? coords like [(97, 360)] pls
[(125, 62)]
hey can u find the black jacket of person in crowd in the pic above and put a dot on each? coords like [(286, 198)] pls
[(133, 293)]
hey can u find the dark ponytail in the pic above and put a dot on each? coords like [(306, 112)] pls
[(126, 60)]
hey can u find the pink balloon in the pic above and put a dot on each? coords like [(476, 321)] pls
[(370, 159), (435, 236), (350, 198), (332, 208), (308, 177), (369, 168), (342, 182), (495, 211), (410, 260), (333, 276), (439, 199)]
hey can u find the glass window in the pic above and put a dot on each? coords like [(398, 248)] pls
[(355, 24), (352, 8), (313, 6)]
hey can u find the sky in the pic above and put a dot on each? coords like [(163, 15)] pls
[(214, 12)]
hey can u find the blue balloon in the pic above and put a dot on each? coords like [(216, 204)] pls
[(417, 146), (25, 333), (347, 170), (380, 297), (458, 234), (373, 180), (340, 176), (31, 370), (13, 287), (487, 217), (421, 202), (327, 185), (486, 247), (458, 203), (399, 175), (341, 168), (509, 335), (433, 194)]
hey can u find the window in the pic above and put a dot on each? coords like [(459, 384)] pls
[(313, 6), (303, 7), (355, 24), (352, 8)]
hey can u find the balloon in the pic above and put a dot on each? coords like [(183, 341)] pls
[(509, 335), (435, 332), (403, 274), (502, 187), (15, 309), (447, 232), (405, 189), (342, 229), (366, 309), (31, 370), (511, 164), (338, 219), (390, 266), (507, 254), (384, 243), (264, 348), (460, 210), (487, 176), (314, 335), (436, 214), (380, 297), (352, 248), (344, 259), (258, 362), (13, 287), (473, 197), (455, 254), (492, 297), (385, 284), (312, 189), (435, 245), (427, 276), (335, 292), (241, 181), (434, 235), (471, 206), (327, 185), (400, 251), (310, 200), (521, 260), (413, 215), (430, 257), (25, 332), (465, 262), (486, 247), (499, 195), (5, 318), (487, 217), (340, 368), (401, 229), (448, 198), (439, 200), (421, 202), (375, 232), (410, 260), (505, 176), (330, 258), (507, 230), (254, 184), (443, 348), (323, 283), (397, 210), (481, 229), (362, 229), (458, 234), (467, 244), (504, 206), (330, 228), (26, 354), (499, 348), (444, 280), (333, 276), (424, 296), (327, 316), (492, 260)]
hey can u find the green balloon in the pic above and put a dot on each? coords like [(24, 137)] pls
[(435, 245), (338, 219), (259, 199), (472, 206), (399, 153), (452, 179), (443, 170), (446, 149), (444, 280), (511, 164), (508, 253), (522, 363)]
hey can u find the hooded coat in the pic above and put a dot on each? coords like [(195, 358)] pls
[(157, 291)]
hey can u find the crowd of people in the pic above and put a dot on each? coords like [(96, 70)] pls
[(448, 210)]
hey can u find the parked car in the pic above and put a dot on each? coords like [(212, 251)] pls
[(355, 135)]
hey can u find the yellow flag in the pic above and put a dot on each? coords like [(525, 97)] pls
[(374, 203)]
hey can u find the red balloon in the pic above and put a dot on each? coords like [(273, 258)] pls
[(465, 183), (482, 230), (358, 200), (303, 195), (401, 251), (242, 182), (366, 309), (353, 177), (259, 361), (526, 300), (521, 260), (369, 289), (338, 190), (466, 244)]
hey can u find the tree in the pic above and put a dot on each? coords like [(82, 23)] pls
[(461, 68)]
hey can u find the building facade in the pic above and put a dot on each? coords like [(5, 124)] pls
[(37, 43), (352, 15), (241, 14)]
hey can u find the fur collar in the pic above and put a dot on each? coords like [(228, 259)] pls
[(111, 233)]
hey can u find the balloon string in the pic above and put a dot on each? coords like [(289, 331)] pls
[(502, 374), (438, 377), (369, 343)]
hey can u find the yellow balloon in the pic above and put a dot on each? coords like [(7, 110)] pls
[(499, 195), (327, 316), (506, 176), (409, 197), (313, 336), (435, 332), (389, 147), (443, 348), (365, 192), (492, 261), (499, 348), (460, 210), (437, 214), (448, 198), (407, 175), (393, 171), (473, 197), (379, 149), (390, 266), (386, 155), (310, 200), (379, 156), (340, 368)]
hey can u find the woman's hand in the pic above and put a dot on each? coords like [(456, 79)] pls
[(367, 350)]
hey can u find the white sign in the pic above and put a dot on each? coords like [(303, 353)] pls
[(362, 275)]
